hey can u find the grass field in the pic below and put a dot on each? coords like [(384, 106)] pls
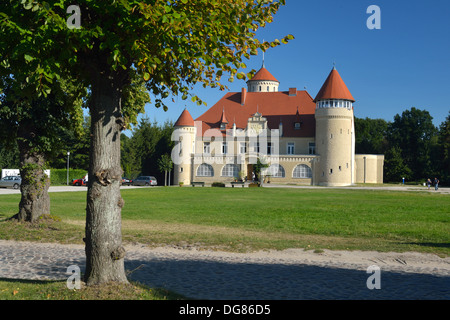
[(12, 289), (241, 219)]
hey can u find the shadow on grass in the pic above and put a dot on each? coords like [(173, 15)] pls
[(57, 290), (430, 244)]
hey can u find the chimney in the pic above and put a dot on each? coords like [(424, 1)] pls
[(292, 92), (243, 96)]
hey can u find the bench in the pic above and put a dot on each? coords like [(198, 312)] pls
[(237, 183), (197, 183)]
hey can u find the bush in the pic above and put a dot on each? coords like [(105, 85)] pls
[(59, 176), (218, 184)]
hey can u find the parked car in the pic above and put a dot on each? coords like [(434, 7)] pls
[(126, 182), (79, 182), (11, 182), (145, 181)]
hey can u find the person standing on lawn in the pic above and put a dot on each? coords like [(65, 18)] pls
[(436, 184)]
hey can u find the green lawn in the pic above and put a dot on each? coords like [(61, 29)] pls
[(12, 289), (256, 218)]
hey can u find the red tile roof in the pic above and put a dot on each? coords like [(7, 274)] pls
[(185, 120), (263, 74), (334, 88), (276, 107)]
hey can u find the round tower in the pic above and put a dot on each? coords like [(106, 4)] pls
[(184, 137), (335, 133), (263, 81)]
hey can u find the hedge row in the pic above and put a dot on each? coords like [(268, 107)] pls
[(59, 176), (218, 184)]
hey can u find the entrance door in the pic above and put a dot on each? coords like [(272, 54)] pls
[(249, 172)]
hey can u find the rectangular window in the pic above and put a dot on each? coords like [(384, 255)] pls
[(224, 148), (243, 148), (269, 148), (290, 148), (206, 148), (312, 148)]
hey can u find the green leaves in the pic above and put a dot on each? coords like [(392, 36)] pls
[(173, 44), (28, 58), (286, 39)]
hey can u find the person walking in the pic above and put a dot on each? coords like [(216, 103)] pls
[(429, 183), (436, 184)]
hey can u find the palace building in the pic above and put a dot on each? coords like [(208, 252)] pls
[(301, 140)]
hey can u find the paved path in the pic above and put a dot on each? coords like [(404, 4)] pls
[(440, 190), (59, 189), (266, 185), (232, 276)]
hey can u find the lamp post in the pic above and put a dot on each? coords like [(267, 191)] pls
[(68, 155)]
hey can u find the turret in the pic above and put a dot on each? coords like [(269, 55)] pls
[(263, 81), (184, 137), (335, 133)]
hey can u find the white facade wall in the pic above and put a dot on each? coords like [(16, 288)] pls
[(334, 145)]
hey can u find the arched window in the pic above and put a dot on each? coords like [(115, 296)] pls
[(276, 171), (302, 171), (205, 170), (230, 170)]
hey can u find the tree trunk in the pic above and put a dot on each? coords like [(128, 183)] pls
[(104, 251), (35, 200)]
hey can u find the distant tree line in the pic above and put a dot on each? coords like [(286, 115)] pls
[(148, 147), (414, 148), (142, 153), (77, 143)]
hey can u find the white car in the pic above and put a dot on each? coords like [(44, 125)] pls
[(11, 182)]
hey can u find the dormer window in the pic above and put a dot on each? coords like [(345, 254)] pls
[(297, 125)]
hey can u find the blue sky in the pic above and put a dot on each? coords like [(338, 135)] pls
[(404, 64)]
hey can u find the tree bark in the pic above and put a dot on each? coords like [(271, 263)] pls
[(35, 200), (104, 250)]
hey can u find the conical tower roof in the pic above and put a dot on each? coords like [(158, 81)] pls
[(334, 88), (263, 75), (185, 120)]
